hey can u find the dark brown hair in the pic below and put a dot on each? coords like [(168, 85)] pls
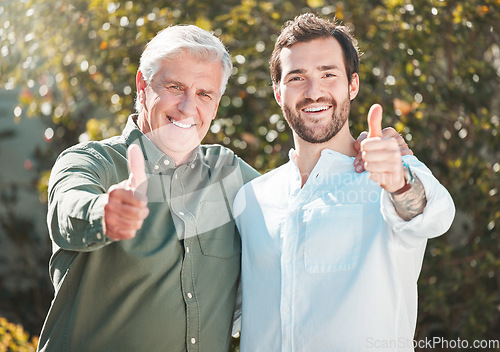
[(307, 27)]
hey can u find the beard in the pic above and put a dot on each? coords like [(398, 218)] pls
[(317, 132)]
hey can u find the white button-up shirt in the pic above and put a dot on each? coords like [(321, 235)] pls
[(330, 266)]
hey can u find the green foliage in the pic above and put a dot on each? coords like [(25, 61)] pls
[(433, 64), (25, 291), (13, 338)]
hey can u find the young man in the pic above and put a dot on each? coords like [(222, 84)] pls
[(330, 257), (161, 274)]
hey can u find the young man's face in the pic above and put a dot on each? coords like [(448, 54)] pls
[(314, 92), (180, 102)]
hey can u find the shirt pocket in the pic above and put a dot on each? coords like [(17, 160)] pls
[(217, 230), (333, 238)]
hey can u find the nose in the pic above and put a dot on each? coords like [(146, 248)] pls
[(187, 105), (313, 90)]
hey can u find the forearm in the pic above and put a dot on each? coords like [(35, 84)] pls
[(74, 221), (435, 201), (76, 198), (410, 203)]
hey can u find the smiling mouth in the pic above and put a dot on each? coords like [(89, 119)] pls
[(180, 124), (316, 108)]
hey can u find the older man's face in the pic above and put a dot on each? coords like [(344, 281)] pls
[(179, 104)]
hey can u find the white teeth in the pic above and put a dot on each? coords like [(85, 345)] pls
[(180, 124), (316, 109)]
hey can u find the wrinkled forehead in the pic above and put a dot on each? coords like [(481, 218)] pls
[(191, 71)]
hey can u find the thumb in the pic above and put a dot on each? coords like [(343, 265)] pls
[(137, 178), (375, 121)]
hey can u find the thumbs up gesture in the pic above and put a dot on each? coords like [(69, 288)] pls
[(127, 205), (137, 180), (381, 154), (387, 132)]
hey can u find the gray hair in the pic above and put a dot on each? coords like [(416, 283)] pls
[(171, 41)]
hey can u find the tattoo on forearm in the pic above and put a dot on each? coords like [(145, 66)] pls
[(412, 202)]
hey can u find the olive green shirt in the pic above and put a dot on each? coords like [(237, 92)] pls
[(172, 287)]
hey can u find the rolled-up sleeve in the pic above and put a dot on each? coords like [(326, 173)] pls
[(76, 198), (438, 213)]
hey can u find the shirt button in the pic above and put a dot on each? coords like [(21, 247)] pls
[(166, 162), (193, 340), (98, 235), (187, 249), (189, 295), (181, 213), (156, 167), (192, 166), (175, 176)]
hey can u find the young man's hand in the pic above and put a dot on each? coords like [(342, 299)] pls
[(381, 154), (387, 132)]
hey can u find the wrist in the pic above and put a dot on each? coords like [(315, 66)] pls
[(409, 180)]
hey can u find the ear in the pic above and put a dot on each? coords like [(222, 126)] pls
[(277, 94), (141, 87), (354, 86)]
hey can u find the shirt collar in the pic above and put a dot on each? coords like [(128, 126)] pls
[(154, 156), (197, 156), (330, 161)]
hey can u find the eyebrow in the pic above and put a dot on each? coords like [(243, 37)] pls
[(319, 68), (296, 71), (169, 81), (328, 67)]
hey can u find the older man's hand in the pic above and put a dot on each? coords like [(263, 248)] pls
[(127, 205)]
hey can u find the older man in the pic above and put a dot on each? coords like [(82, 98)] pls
[(160, 274)]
